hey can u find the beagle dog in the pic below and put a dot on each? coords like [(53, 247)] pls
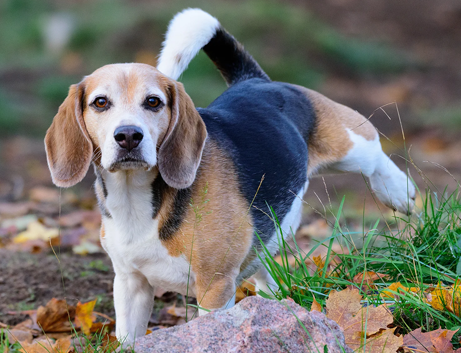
[(184, 190)]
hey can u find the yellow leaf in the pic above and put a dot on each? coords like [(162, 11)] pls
[(456, 294), (36, 231), (441, 299), (319, 263), (398, 288), (84, 316)]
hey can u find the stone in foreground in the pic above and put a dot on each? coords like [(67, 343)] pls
[(254, 325)]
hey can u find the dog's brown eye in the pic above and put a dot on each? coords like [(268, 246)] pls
[(153, 102), (100, 102)]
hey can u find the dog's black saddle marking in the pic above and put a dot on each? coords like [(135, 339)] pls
[(265, 127)]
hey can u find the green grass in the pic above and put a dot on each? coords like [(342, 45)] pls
[(419, 252)]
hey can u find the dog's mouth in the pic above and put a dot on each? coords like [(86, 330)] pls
[(129, 162)]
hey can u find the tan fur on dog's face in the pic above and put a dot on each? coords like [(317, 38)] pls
[(173, 132), (126, 88)]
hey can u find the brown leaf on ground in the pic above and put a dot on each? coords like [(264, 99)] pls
[(246, 289), (442, 342), (56, 316), (103, 327), (84, 316), (364, 327), (29, 324), (437, 341), (109, 343), (417, 341), (384, 342), (368, 277), (341, 306), (46, 345), (316, 306), (63, 345), (369, 320), (18, 335)]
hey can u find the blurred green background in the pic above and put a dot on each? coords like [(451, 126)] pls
[(47, 45), (404, 56)]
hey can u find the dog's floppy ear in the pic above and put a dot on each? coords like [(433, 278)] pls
[(181, 150), (68, 146)]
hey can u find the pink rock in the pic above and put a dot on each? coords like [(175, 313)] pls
[(254, 325)]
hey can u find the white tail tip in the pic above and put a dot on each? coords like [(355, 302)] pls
[(188, 32)]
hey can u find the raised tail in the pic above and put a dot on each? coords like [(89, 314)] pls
[(194, 29)]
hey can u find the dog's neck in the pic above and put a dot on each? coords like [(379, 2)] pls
[(135, 198)]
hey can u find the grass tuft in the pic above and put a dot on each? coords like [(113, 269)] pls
[(420, 252)]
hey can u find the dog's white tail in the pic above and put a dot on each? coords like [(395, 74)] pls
[(194, 29), (188, 32)]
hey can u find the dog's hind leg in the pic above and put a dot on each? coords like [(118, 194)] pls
[(388, 182), (345, 141)]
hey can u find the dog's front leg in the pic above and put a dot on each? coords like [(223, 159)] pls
[(133, 301)]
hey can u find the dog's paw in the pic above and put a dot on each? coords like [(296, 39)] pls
[(394, 189)]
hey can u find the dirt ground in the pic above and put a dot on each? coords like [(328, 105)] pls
[(427, 30)]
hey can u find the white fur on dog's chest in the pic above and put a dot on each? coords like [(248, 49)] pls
[(131, 235)]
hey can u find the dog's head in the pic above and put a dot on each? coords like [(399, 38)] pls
[(122, 117)]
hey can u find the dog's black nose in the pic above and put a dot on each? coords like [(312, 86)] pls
[(128, 137)]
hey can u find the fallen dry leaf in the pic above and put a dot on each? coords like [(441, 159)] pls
[(368, 277), (341, 306), (56, 316), (319, 263), (316, 306), (18, 335), (84, 316), (441, 298), (442, 342), (109, 343), (397, 287), (365, 328), (369, 320), (46, 345), (246, 289), (437, 341), (36, 231), (417, 341), (384, 342)]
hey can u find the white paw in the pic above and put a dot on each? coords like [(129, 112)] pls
[(394, 189)]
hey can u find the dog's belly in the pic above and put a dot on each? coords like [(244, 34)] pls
[(145, 254)]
